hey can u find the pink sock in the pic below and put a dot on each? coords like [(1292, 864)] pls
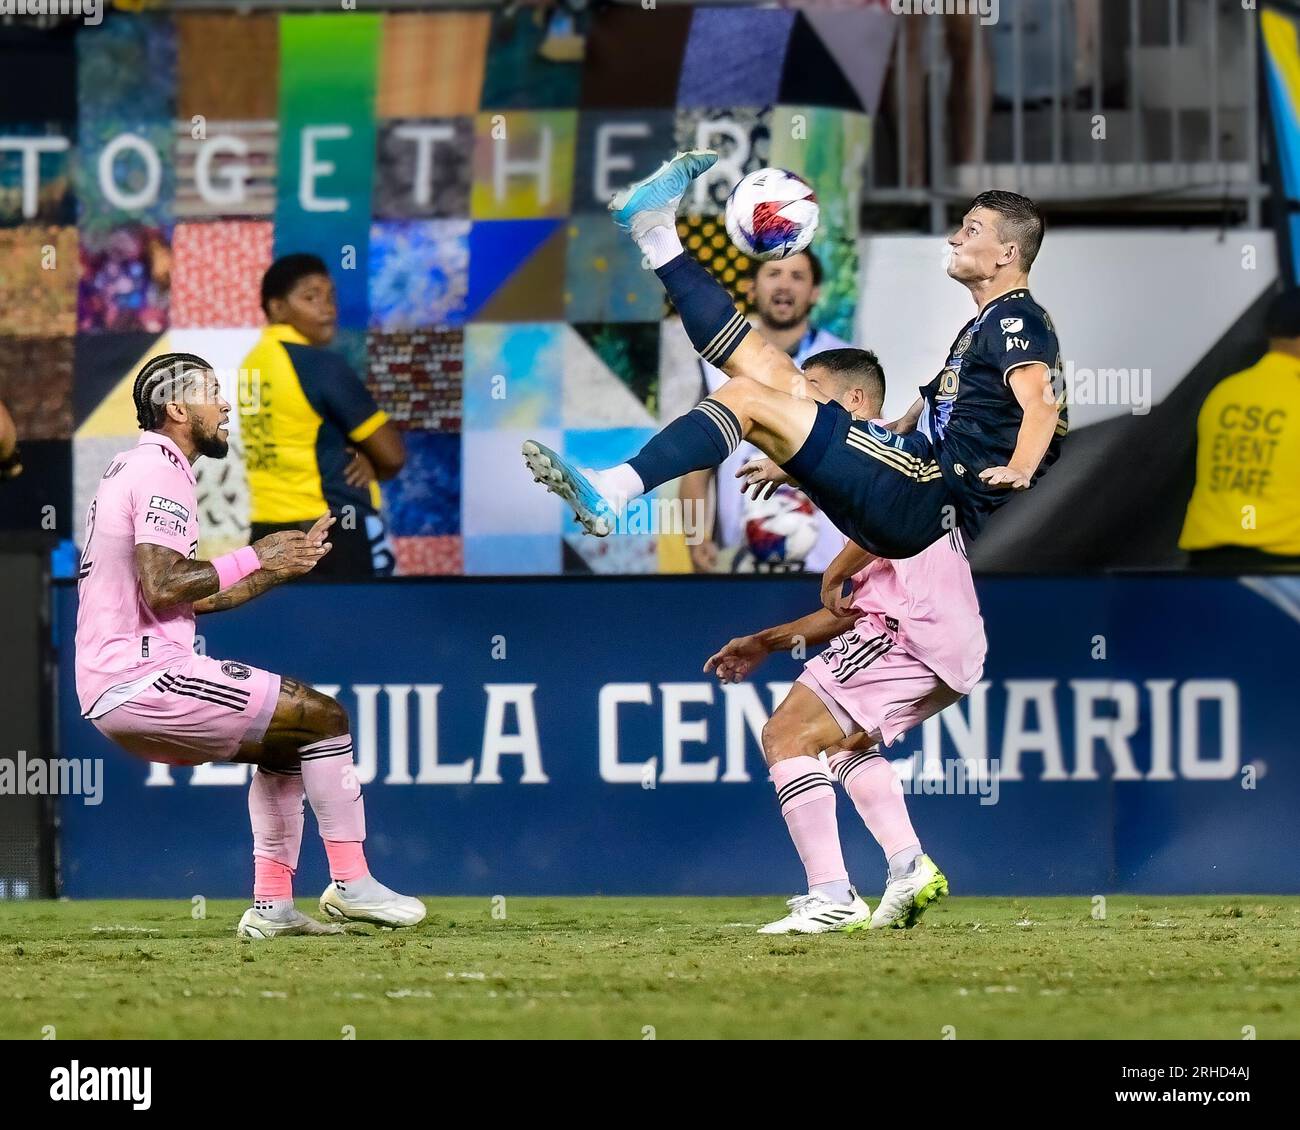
[(272, 881), (347, 860), (330, 780), (275, 811), (869, 780), (808, 804)]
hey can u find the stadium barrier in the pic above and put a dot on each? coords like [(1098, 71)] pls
[(552, 736), (26, 816)]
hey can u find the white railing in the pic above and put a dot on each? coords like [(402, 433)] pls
[(1157, 108)]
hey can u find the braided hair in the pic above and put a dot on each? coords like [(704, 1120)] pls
[(162, 380)]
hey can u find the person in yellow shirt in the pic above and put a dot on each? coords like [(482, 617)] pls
[(1244, 512), (314, 439)]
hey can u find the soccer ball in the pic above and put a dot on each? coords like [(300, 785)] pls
[(780, 531), (772, 214)]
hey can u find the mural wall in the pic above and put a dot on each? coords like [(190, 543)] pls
[(453, 171)]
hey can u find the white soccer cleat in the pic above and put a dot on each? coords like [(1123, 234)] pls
[(817, 914), (907, 898), (368, 900), (276, 923)]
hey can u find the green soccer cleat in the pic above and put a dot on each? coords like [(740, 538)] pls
[(907, 898)]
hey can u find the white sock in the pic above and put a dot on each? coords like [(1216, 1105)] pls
[(617, 485), (839, 892), (660, 245), (900, 863), (273, 908)]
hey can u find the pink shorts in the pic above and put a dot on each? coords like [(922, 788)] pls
[(868, 682), (199, 710)]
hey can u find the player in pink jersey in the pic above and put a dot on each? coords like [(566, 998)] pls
[(141, 684), (906, 643)]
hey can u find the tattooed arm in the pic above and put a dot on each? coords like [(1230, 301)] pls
[(168, 578), (239, 593), (283, 556)]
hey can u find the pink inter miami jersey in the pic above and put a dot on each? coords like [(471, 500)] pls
[(146, 495), (928, 603)]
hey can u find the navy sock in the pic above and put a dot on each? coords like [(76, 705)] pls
[(707, 311), (704, 437)]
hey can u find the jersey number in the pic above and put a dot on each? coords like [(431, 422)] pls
[(86, 564)]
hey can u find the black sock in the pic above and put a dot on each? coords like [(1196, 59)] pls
[(708, 314), (704, 437)]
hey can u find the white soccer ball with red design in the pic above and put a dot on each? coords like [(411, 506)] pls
[(780, 531), (772, 214)]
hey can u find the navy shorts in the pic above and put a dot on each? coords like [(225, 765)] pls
[(884, 491)]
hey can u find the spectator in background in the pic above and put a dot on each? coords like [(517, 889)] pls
[(11, 464), (785, 292), (1244, 513), (314, 439)]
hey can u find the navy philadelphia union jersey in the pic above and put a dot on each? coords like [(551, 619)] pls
[(971, 413)]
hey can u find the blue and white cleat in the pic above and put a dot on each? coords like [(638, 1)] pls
[(653, 202), (590, 508)]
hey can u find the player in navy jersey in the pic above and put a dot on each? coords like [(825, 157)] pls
[(1006, 362), (988, 425)]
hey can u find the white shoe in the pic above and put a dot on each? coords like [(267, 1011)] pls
[(818, 914), (906, 899), (274, 923), (368, 900)]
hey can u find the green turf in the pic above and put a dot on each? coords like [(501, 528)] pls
[(617, 968)]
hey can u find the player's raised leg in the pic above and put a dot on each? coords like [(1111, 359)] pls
[(775, 422), (307, 751), (914, 883), (796, 733), (647, 211)]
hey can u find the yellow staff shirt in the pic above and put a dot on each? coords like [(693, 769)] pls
[(1248, 462)]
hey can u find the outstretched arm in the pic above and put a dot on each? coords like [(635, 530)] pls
[(168, 578), (241, 592), (1032, 385), (739, 658)]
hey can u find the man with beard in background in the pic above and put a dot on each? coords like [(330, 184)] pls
[(785, 292)]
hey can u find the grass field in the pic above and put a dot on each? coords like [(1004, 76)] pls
[(619, 968)]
